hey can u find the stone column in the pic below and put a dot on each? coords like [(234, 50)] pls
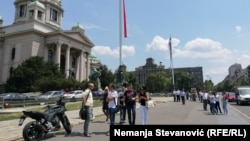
[(46, 51), (58, 54), (87, 65), (81, 65), (67, 68)]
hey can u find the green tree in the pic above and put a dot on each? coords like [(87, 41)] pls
[(23, 78), (157, 82), (183, 80), (106, 76)]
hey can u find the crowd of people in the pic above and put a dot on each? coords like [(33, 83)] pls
[(126, 98), (210, 98)]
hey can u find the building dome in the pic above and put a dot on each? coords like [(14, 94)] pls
[(36, 3), (1, 18), (92, 56), (77, 26), (58, 1)]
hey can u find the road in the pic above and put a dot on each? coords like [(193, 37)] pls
[(244, 109), (163, 114)]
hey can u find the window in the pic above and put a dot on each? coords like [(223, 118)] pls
[(22, 10), (31, 14), (39, 15), (73, 62), (50, 55), (13, 53), (53, 15), (11, 70)]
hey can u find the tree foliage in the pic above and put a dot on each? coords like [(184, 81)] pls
[(158, 82), (23, 78)]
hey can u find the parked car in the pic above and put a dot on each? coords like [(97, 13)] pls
[(74, 94), (50, 94), (231, 97), (8, 99), (14, 96)]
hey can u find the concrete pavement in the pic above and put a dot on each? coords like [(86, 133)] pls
[(10, 131)]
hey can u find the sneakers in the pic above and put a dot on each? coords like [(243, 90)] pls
[(87, 135), (122, 121)]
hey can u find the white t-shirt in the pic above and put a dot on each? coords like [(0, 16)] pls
[(89, 101), (112, 103), (205, 96)]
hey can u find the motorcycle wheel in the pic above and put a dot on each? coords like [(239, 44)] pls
[(30, 132), (66, 124)]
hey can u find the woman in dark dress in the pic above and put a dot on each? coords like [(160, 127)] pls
[(105, 103)]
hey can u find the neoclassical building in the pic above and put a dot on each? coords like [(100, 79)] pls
[(37, 31)]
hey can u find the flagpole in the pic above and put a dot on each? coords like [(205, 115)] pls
[(120, 32), (171, 60)]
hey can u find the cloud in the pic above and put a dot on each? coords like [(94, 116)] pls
[(198, 48), (238, 28), (107, 51), (201, 48), (160, 44)]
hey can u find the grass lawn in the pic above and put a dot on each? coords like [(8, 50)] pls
[(69, 106)]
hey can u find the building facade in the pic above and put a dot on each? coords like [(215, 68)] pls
[(37, 31), (236, 73), (142, 72)]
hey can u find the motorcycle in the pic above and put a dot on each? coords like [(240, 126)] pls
[(45, 122)]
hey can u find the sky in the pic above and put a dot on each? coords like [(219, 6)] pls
[(213, 34)]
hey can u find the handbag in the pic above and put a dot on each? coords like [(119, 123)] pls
[(83, 111), (117, 107), (149, 104)]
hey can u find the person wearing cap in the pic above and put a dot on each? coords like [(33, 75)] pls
[(143, 97), (87, 99)]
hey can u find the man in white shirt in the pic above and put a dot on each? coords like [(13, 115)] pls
[(87, 101), (112, 100), (204, 100)]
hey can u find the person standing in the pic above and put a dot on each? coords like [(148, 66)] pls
[(174, 94), (217, 104), (201, 93), (212, 103), (205, 101), (87, 100), (123, 107), (130, 103), (143, 97), (105, 103), (112, 102), (183, 96), (224, 102), (178, 95)]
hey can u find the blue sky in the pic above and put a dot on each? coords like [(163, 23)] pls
[(213, 34)]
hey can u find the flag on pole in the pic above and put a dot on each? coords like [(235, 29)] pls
[(124, 19)]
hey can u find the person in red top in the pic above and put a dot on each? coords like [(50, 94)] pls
[(224, 102)]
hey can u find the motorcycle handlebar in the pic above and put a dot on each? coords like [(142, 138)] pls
[(60, 100)]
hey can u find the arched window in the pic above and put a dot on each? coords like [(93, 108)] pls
[(13, 53)]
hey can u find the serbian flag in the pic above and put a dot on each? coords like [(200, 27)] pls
[(124, 19)]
